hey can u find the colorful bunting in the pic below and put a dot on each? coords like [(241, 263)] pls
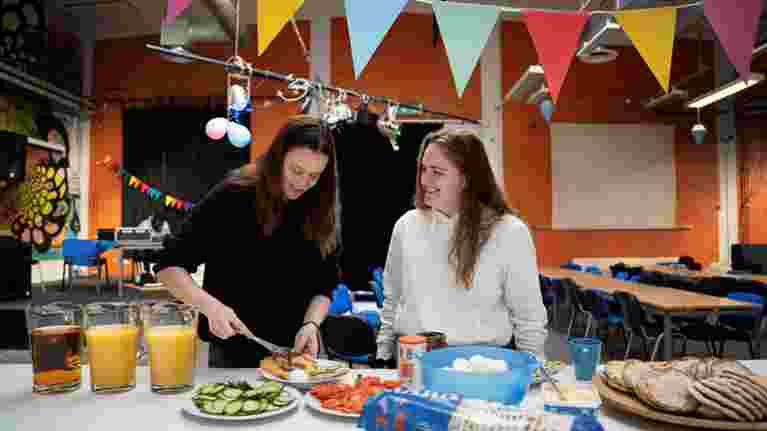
[(652, 31), (736, 26), (465, 29), (368, 22), (556, 36), (175, 8), (272, 15), (136, 183)]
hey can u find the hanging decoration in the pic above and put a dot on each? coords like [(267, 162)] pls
[(546, 106), (699, 131), (151, 192), (652, 31), (271, 18), (174, 9), (736, 27), (389, 127), (368, 22), (215, 129), (45, 205), (238, 106)]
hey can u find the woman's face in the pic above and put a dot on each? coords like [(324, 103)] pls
[(442, 182), (301, 170)]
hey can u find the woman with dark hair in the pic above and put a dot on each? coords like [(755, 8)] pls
[(267, 237), (462, 262)]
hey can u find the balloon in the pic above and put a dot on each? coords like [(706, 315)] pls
[(699, 133), (547, 109), (238, 99), (238, 135), (216, 128)]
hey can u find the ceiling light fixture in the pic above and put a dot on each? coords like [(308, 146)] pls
[(725, 91), (531, 81)]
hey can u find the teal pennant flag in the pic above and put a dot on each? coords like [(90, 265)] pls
[(465, 29), (368, 22)]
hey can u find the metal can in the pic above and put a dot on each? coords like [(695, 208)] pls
[(434, 340), (410, 349)]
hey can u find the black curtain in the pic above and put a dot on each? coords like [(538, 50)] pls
[(168, 149), (376, 187)]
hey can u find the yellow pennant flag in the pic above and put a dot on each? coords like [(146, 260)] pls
[(134, 182), (169, 200), (652, 32), (272, 15)]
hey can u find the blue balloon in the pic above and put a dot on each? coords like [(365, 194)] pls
[(547, 109), (238, 135)]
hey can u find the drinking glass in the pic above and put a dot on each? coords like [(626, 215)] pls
[(585, 354), (111, 335), (170, 331), (55, 334)]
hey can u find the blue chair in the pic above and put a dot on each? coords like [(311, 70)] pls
[(83, 252), (622, 275), (378, 274), (342, 300)]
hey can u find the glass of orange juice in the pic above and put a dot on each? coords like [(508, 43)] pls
[(170, 331), (111, 336)]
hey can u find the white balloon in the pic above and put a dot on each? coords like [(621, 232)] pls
[(238, 135), (237, 97), (216, 128)]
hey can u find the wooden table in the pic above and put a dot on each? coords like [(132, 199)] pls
[(664, 301), (706, 273)]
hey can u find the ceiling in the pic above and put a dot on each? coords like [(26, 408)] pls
[(105, 19)]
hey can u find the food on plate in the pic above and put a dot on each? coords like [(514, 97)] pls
[(711, 388), (296, 366), (479, 364), (552, 367), (350, 398), (241, 398), (614, 374)]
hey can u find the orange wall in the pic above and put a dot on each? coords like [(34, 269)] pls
[(599, 94), (409, 68), (752, 181)]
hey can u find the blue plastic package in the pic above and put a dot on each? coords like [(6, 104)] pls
[(404, 409)]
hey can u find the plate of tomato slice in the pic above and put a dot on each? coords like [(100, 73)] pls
[(344, 400)]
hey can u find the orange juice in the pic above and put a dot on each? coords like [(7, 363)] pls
[(172, 351), (112, 353)]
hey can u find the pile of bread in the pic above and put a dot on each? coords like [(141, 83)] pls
[(711, 388)]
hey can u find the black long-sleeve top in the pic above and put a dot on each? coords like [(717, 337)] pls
[(267, 279)]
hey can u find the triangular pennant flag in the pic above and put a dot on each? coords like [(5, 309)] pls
[(652, 32), (175, 8), (144, 188), (271, 17), (465, 29), (556, 36), (368, 22), (133, 182), (736, 25), (169, 200)]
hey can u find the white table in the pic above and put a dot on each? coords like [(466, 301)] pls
[(142, 410)]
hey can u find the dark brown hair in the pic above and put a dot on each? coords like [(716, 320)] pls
[(482, 203), (265, 176)]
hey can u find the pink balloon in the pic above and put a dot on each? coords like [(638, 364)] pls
[(216, 128)]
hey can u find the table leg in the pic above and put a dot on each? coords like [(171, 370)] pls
[(120, 272), (668, 340)]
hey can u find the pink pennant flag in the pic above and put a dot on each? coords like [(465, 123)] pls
[(735, 24), (175, 8), (556, 36)]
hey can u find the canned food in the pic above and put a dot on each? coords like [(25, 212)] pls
[(434, 340), (410, 347)]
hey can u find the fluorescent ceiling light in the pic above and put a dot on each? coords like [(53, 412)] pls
[(609, 26), (530, 81), (724, 91), (673, 96)]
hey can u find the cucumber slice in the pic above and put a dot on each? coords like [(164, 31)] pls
[(283, 399), (205, 398), (231, 394), (251, 407), (233, 408), (216, 389), (206, 388), (208, 407), (215, 407), (253, 393)]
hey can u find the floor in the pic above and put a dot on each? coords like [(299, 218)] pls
[(84, 291)]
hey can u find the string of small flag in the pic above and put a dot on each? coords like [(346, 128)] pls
[(556, 34), (142, 186)]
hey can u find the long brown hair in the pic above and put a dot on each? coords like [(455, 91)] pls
[(482, 202), (265, 177)]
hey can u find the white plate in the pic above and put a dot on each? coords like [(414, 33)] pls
[(315, 404), (194, 411), (308, 382)]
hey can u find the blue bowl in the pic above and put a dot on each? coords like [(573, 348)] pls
[(508, 387)]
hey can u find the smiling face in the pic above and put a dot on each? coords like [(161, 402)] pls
[(301, 170), (442, 183)]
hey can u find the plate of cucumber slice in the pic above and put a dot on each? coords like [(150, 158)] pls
[(240, 400)]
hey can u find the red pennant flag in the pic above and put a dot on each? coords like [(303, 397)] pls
[(175, 8), (556, 36), (144, 187), (735, 24)]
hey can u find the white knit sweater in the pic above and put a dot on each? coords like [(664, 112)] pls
[(422, 292)]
